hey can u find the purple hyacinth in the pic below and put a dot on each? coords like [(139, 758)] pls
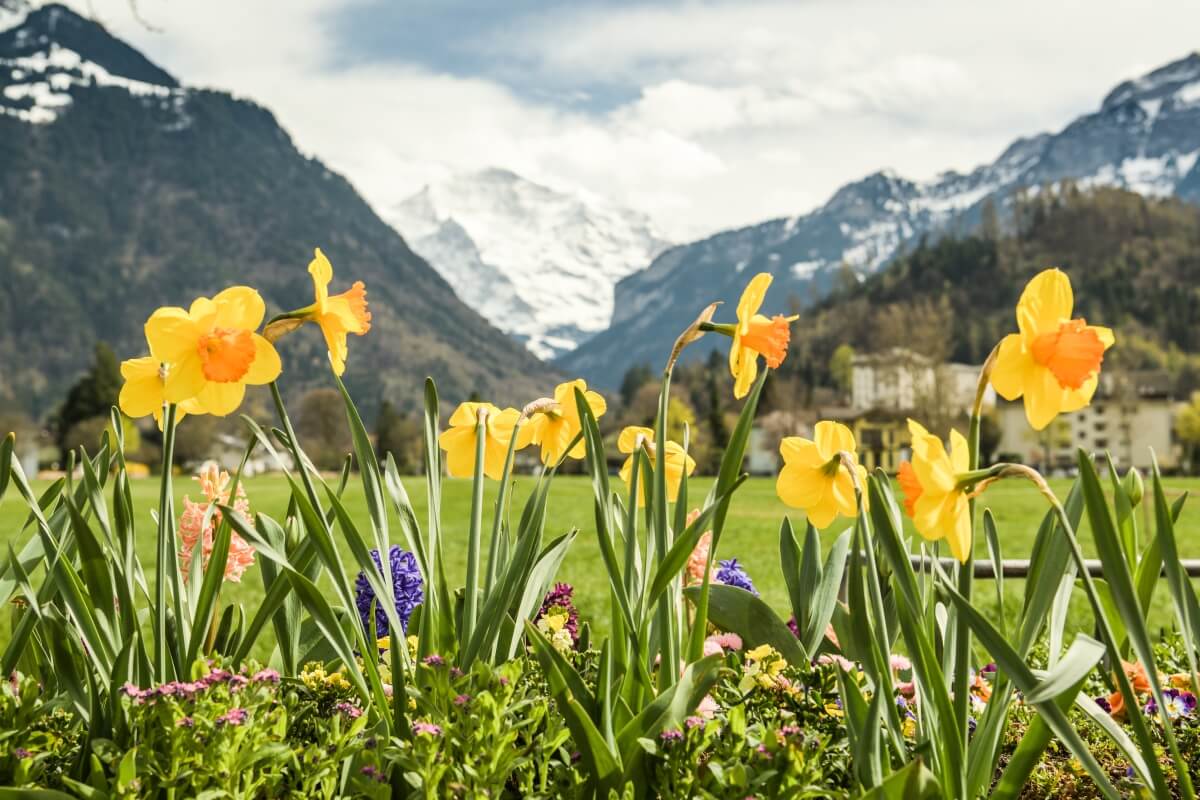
[(730, 573), (406, 582), (559, 600)]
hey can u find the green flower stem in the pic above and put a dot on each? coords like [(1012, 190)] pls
[(966, 573), (1103, 627), (668, 673), (726, 329), (494, 555), (470, 607), (166, 550)]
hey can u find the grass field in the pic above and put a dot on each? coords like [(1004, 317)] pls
[(752, 535)]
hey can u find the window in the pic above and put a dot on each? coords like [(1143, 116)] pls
[(1102, 444)]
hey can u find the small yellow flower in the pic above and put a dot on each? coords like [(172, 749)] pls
[(554, 425), (761, 652), (142, 395), (677, 461), (459, 440), (1054, 362), (938, 507), (212, 350), (756, 335), (384, 643), (813, 477)]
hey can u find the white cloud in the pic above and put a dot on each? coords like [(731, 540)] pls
[(740, 111)]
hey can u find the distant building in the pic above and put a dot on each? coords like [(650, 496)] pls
[(1131, 414), (880, 434), (898, 379), (762, 451), (229, 450)]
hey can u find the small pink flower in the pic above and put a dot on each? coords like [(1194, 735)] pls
[(349, 709), (693, 722), (729, 641), (847, 664), (428, 728), (900, 663), (266, 676), (712, 647), (234, 716), (462, 700), (708, 707)]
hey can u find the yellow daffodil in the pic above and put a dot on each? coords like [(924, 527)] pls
[(340, 314), (813, 477), (554, 424), (677, 461), (212, 350), (932, 497), (756, 335), (337, 316), (1054, 362), (459, 440), (142, 394)]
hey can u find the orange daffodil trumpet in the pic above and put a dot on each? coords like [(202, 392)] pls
[(1054, 362), (201, 358), (933, 493), (815, 474), (676, 461), (460, 441), (755, 335), (337, 316), (554, 424)]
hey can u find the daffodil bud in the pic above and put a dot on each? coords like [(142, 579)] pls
[(1134, 486)]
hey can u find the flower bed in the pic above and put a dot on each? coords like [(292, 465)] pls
[(388, 677)]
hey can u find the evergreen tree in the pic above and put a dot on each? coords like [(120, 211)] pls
[(93, 395)]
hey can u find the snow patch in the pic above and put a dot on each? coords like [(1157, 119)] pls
[(803, 270), (539, 263), (43, 81), (1188, 95)]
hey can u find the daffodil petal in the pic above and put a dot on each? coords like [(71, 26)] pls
[(239, 308), (221, 399), (142, 393), (1013, 367), (185, 379), (832, 438), (266, 365), (171, 334), (1045, 304)]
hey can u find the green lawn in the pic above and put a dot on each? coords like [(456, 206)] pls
[(752, 535)]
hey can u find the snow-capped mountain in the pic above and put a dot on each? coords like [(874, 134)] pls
[(42, 61), (538, 263), (122, 190), (1145, 137)]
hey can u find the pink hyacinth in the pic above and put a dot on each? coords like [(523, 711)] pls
[(214, 484), (698, 560)]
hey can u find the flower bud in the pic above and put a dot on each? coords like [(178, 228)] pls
[(1134, 486)]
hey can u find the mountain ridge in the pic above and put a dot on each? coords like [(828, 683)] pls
[(1144, 137), (121, 198), (537, 262)]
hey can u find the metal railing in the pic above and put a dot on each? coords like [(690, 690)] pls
[(1014, 568)]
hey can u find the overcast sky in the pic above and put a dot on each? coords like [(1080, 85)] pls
[(705, 115)]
